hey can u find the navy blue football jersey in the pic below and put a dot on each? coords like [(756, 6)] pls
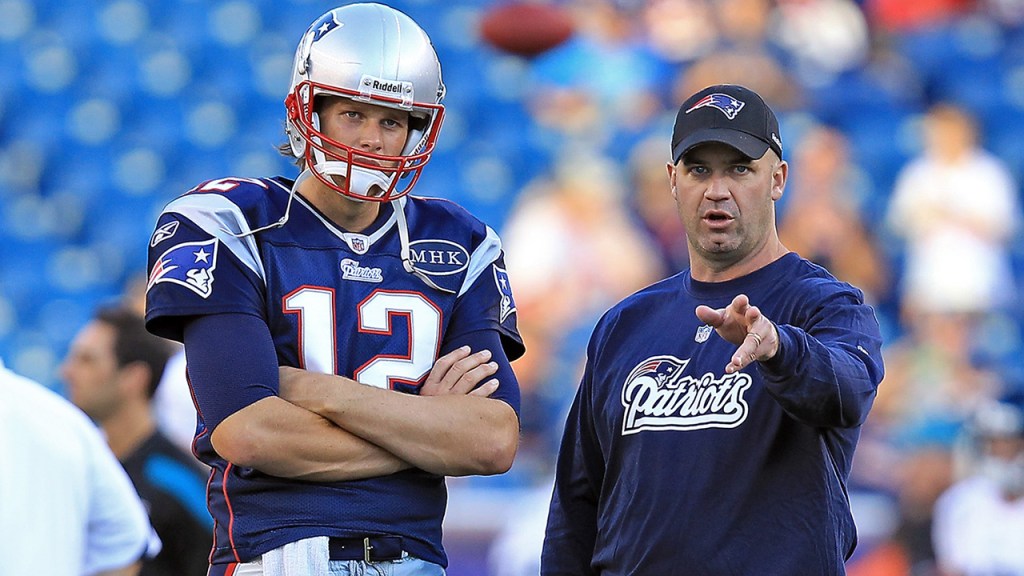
[(335, 302), (670, 465)]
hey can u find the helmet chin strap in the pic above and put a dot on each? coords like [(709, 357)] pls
[(360, 180)]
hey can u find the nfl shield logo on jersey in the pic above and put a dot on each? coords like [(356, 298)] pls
[(703, 333)]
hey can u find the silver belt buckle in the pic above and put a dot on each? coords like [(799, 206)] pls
[(366, 549)]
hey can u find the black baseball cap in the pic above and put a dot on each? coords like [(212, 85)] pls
[(729, 114)]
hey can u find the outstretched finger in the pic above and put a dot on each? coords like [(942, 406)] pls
[(710, 316), (740, 305), (752, 315)]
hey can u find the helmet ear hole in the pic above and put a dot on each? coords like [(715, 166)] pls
[(418, 123)]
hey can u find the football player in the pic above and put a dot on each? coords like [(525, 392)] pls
[(390, 316)]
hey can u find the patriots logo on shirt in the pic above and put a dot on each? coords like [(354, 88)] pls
[(723, 102), (658, 395), (190, 264), (508, 304)]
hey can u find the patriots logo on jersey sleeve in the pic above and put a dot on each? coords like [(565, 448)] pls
[(723, 102), (190, 264), (508, 304)]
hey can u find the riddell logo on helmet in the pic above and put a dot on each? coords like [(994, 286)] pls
[(373, 86)]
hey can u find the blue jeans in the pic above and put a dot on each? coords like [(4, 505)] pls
[(408, 566)]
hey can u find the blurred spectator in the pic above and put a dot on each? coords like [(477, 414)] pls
[(66, 507), (979, 521), (956, 207), (679, 30), (112, 372), (573, 251), (824, 37), (821, 218), (745, 54), (932, 382), (572, 248), (923, 474), (172, 403), (651, 202), (602, 83)]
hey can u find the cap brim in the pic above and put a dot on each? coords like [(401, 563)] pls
[(750, 146)]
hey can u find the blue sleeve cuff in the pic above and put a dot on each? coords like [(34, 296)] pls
[(787, 354)]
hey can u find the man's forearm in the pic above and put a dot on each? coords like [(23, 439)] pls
[(453, 435), (281, 439)]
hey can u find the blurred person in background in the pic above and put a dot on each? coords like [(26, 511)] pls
[(979, 521), (173, 408), (601, 86), (569, 235), (933, 376), (955, 205), (112, 371), (719, 410), (67, 507), (821, 219), (744, 52), (652, 208), (822, 38)]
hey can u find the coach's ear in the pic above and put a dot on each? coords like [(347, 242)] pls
[(779, 176), (672, 179)]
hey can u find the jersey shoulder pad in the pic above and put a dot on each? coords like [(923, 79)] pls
[(239, 205), (447, 216)]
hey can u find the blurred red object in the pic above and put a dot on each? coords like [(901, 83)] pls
[(525, 28), (904, 15)]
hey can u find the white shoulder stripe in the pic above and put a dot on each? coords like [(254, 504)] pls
[(484, 255), (223, 220)]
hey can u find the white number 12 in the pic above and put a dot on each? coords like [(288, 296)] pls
[(318, 341)]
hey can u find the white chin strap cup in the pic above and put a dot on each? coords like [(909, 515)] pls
[(360, 181)]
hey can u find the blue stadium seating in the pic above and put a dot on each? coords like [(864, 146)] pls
[(133, 102)]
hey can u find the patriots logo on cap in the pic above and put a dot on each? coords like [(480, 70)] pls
[(723, 102), (190, 264)]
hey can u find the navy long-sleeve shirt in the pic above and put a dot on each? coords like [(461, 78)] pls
[(669, 465)]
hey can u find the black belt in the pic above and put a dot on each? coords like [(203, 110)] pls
[(368, 549)]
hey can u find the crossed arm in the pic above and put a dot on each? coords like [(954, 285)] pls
[(329, 428)]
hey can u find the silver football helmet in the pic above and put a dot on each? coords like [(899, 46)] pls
[(375, 54)]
